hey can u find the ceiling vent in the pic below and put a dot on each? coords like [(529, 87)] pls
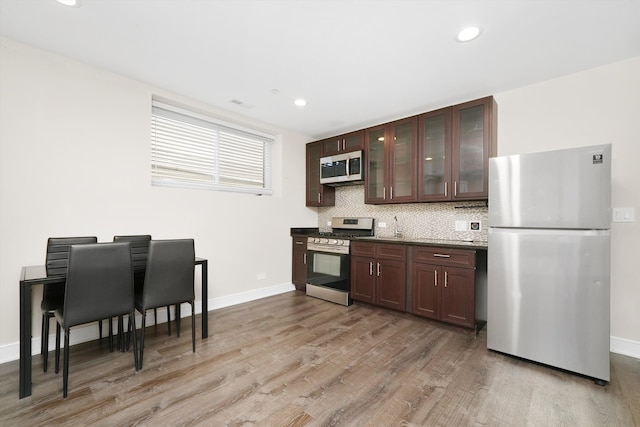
[(242, 104)]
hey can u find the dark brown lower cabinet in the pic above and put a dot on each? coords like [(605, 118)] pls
[(299, 263), (379, 274), (442, 283), (445, 284)]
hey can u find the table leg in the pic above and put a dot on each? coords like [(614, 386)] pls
[(205, 299), (25, 340)]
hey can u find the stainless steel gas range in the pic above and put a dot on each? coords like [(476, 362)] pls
[(328, 259)]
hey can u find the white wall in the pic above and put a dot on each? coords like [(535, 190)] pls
[(597, 106), (75, 160)]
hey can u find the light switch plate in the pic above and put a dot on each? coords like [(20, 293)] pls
[(624, 215)]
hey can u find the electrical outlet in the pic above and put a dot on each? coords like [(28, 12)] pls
[(475, 225), (262, 276), (382, 224), (461, 225), (328, 223)]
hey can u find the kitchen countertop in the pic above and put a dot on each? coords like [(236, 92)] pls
[(460, 244)]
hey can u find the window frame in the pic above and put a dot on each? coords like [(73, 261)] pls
[(190, 149)]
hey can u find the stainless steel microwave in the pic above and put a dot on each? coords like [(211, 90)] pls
[(342, 169)]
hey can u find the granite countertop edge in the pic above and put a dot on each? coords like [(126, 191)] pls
[(460, 244)]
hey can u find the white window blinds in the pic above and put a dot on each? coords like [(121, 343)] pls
[(189, 149)]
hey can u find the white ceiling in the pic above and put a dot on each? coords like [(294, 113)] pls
[(357, 62)]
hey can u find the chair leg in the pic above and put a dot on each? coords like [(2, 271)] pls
[(178, 317), (65, 368), (144, 324), (169, 319), (120, 333), (42, 338), (57, 348), (193, 326), (44, 342), (132, 323), (110, 319)]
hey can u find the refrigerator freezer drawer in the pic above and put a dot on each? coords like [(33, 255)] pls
[(558, 189), (548, 297)]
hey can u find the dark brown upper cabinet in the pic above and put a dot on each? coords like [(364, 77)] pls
[(390, 162), (344, 143), (454, 146), (473, 142), (317, 194)]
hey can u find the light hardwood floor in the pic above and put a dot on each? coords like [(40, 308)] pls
[(292, 360)]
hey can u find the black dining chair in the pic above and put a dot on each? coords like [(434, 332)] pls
[(139, 252), (53, 294), (168, 280), (99, 286)]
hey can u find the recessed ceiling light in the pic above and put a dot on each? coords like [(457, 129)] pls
[(300, 102), (468, 34), (72, 3)]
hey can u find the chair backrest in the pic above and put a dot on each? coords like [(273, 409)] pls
[(99, 282), (169, 275), (139, 249), (58, 253)]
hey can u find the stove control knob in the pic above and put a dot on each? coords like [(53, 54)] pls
[(335, 241)]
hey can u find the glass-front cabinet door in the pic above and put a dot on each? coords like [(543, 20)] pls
[(390, 156), (473, 144), (375, 159), (402, 187), (434, 156)]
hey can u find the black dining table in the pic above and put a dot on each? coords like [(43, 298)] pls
[(36, 275)]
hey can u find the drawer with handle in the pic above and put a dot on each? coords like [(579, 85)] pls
[(444, 256)]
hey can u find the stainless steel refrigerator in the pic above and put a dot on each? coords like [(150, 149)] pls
[(548, 258)]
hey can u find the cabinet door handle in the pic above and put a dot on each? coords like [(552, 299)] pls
[(384, 193), (455, 188), (442, 256), (318, 197), (391, 195), (305, 258), (446, 276), (299, 243), (445, 188), (344, 143), (435, 274), (370, 268), (378, 270)]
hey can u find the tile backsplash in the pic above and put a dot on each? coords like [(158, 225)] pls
[(416, 220)]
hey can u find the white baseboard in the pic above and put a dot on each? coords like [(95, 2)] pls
[(89, 332), (10, 352), (625, 347)]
